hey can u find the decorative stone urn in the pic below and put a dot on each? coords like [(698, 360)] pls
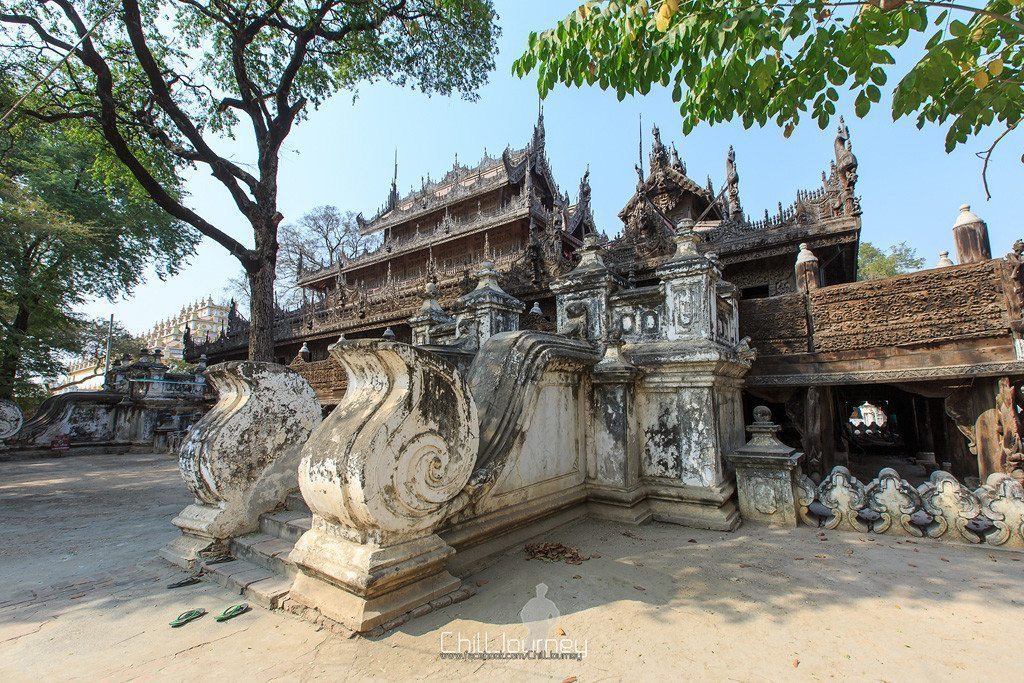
[(384, 469), (766, 471), (241, 459)]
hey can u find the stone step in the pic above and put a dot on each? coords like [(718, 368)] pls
[(287, 525), (266, 551), (295, 502), (258, 584)]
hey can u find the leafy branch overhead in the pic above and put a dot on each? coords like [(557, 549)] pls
[(763, 61)]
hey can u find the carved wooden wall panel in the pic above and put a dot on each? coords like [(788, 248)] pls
[(928, 306), (776, 325), (327, 377)]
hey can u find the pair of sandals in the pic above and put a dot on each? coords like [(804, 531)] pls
[(193, 614)]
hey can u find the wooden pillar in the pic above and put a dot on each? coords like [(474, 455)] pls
[(813, 414), (971, 236), (925, 455)]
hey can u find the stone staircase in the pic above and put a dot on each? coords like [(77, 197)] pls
[(261, 570)]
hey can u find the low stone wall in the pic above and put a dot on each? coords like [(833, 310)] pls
[(84, 421)]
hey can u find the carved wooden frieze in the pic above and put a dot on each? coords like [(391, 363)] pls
[(776, 326), (928, 306)]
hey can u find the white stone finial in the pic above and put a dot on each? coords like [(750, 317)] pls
[(805, 255), (487, 276), (966, 216), (944, 260), (590, 253)]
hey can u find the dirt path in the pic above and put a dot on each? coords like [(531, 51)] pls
[(86, 600)]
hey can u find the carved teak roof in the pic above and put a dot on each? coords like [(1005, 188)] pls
[(667, 195), (463, 182)]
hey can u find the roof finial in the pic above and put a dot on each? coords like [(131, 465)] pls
[(393, 195), (641, 147)]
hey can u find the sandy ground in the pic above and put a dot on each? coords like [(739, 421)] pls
[(85, 598)]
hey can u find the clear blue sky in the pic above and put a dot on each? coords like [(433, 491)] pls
[(343, 155)]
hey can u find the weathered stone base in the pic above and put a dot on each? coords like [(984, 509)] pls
[(363, 585), (618, 505), (185, 550), (362, 614), (694, 506), (626, 514), (314, 615), (199, 519), (481, 540)]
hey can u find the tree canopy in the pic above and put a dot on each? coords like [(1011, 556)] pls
[(874, 264), (323, 237), (182, 74), (767, 60), (73, 226)]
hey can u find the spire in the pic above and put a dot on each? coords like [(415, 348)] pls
[(732, 179), (659, 155), (676, 163), (537, 145), (640, 168), (393, 197)]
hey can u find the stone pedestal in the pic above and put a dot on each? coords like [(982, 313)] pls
[(766, 475), (582, 295), (429, 317), (389, 465), (241, 459), (492, 309), (689, 406), (613, 471)]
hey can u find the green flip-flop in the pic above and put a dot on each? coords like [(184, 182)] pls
[(232, 612), (186, 617)]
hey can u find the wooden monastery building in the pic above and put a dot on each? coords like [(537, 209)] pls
[(919, 371)]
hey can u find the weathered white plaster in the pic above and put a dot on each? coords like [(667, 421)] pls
[(241, 459)]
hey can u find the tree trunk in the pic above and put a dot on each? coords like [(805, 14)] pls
[(10, 358), (261, 311)]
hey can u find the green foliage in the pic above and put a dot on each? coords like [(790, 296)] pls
[(768, 60), (874, 264), (73, 227), (164, 81)]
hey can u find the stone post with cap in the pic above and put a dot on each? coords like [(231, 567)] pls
[(493, 309), (582, 295), (766, 474), (808, 274), (428, 317), (971, 236)]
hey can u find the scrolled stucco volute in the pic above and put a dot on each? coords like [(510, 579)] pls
[(395, 456), (241, 459)]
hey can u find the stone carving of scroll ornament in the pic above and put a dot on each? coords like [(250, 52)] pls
[(956, 513), (845, 497), (895, 501), (1002, 501), (393, 458), (805, 492), (392, 461), (951, 505), (241, 459)]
